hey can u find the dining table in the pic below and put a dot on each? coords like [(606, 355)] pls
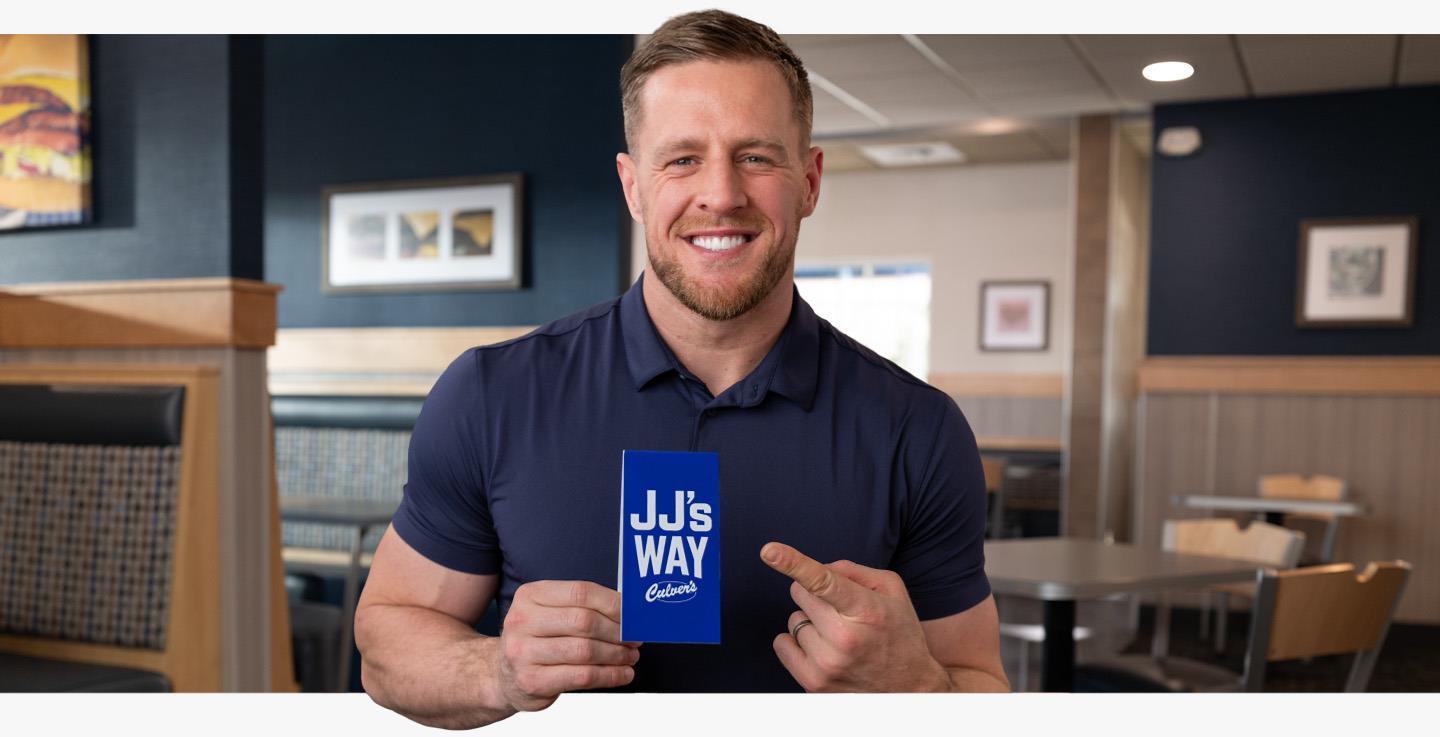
[(1059, 571), (1273, 508)]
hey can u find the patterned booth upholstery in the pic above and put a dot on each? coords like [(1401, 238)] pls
[(343, 447), (108, 529)]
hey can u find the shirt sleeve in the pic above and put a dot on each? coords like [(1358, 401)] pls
[(941, 551), (445, 514)]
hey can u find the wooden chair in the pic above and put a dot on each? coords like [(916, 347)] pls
[(1319, 487), (1300, 613), (995, 491), (1265, 544)]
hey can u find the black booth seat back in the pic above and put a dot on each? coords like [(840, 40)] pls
[(89, 485)]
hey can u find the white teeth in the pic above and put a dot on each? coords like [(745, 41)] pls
[(718, 242)]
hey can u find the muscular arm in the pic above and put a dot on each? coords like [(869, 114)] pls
[(420, 654), (967, 645), (422, 658)]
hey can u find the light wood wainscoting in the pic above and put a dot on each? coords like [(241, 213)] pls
[(217, 324), (373, 361), (1009, 411), (1213, 425)]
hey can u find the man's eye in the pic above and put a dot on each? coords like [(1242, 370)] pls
[(753, 159), (683, 161)]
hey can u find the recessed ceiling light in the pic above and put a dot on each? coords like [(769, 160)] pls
[(1167, 71), (913, 154)]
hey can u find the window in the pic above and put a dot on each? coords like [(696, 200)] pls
[(885, 306)]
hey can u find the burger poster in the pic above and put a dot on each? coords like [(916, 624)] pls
[(44, 131)]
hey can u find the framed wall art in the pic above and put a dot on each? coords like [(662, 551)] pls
[(441, 234), (44, 131), (1014, 315), (1356, 272)]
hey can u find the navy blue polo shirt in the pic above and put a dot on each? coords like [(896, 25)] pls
[(515, 470)]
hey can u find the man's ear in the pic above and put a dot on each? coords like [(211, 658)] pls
[(625, 167), (814, 165)]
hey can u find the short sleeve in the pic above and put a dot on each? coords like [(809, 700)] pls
[(445, 514), (941, 551)]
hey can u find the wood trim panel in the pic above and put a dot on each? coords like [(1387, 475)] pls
[(1084, 432), (282, 668), (151, 313), (999, 385), (191, 658), (381, 361), (1039, 445), (1364, 375)]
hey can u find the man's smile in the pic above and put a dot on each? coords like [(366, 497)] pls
[(719, 240)]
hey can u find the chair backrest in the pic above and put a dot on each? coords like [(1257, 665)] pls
[(1319, 487), (1264, 543), (1323, 610), (994, 472), (1286, 485)]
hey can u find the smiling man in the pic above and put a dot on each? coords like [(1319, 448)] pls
[(853, 496)]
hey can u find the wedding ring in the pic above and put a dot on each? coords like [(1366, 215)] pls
[(795, 631)]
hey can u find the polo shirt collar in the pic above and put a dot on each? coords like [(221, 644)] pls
[(645, 353), (792, 373)]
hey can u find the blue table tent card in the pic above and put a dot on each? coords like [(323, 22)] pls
[(670, 547)]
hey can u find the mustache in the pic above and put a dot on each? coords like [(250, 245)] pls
[(737, 222)]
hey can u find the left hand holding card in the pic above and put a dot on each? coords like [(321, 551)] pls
[(562, 636), (865, 634)]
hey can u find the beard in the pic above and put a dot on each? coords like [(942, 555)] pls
[(721, 303)]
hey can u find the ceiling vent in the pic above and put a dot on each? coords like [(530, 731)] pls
[(913, 154)]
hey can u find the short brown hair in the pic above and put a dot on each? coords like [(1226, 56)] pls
[(714, 35)]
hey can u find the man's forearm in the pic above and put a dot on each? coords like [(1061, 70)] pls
[(429, 667), (974, 680)]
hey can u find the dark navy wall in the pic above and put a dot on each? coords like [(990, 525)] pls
[(1225, 222), (361, 109), (162, 182)]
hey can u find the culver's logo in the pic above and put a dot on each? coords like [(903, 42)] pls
[(671, 592)]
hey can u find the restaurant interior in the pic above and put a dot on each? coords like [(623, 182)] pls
[(1193, 322)]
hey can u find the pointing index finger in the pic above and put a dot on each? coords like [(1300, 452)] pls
[(834, 589)]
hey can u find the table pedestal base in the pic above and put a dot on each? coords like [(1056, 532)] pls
[(1057, 669)]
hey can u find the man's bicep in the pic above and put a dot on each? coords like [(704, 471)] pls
[(968, 639), (402, 576)]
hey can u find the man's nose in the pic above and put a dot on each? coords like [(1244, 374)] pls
[(721, 190)]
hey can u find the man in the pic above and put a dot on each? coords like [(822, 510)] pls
[(827, 452)]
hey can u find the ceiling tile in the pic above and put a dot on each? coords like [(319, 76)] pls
[(873, 56), (1155, 48), (798, 41), (1066, 104), (1420, 60), (905, 115), (1031, 79), (918, 87), (985, 52), (823, 100), (1280, 65), (841, 121)]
